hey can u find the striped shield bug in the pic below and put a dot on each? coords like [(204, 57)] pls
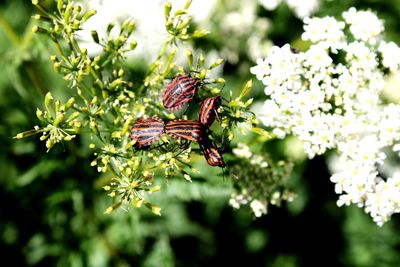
[(179, 91), (211, 153), (147, 131), (208, 110), (185, 129)]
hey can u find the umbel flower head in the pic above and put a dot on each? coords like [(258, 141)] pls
[(329, 98)]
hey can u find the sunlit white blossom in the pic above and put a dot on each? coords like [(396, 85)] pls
[(242, 151), (327, 32), (390, 55), (331, 102), (259, 208), (364, 25)]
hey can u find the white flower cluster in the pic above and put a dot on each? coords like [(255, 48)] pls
[(301, 8), (329, 97), (258, 191)]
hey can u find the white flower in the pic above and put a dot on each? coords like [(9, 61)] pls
[(259, 207), (390, 55), (330, 103), (303, 8), (270, 4), (242, 151), (360, 56), (317, 58), (364, 25), (326, 31)]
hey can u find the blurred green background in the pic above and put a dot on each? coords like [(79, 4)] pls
[(52, 204)]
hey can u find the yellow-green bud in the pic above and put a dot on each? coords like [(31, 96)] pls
[(131, 26), (69, 103), (73, 116), (69, 137), (184, 24), (76, 24), (77, 8), (216, 63), (59, 118), (60, 4), (200, 33), (68, 12), (39, 114), (215, 91), (246, 88), (37, 29), (95, 36), (167, 9), (187, 4), (133, 44), (189, 56), (47, 101), (88, 15)]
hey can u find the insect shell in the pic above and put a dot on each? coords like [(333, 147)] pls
[(185, 129), (179, 91), (147, 131), (211, 153), (208, 110)]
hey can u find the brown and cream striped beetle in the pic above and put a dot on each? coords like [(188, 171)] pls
[(190, 130), (147, 131), (179, 91), (208, 110), (211, 153)]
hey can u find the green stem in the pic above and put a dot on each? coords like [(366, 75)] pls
[(9, 31)]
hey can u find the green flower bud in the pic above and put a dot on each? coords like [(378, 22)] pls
[(39, 114), (184, 24), (167, 9), (77, 9), (110, 27), (95, 36), (189, 56), (37, 29), (200, 33), (246, 88), (73, 116), (88, 15), (59, 118), (19, 136), (60, 4), (67, 13), (49, 144), (201, 60), (187, 4), (216, 63), (76, 24), (47, 101), (69, 137), (57, 67), (133, 44), (131, 27)]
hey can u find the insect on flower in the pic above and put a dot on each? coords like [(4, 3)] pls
[(185, 129), (179, 91), (211, 153), (208, 110), (147, 131)]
